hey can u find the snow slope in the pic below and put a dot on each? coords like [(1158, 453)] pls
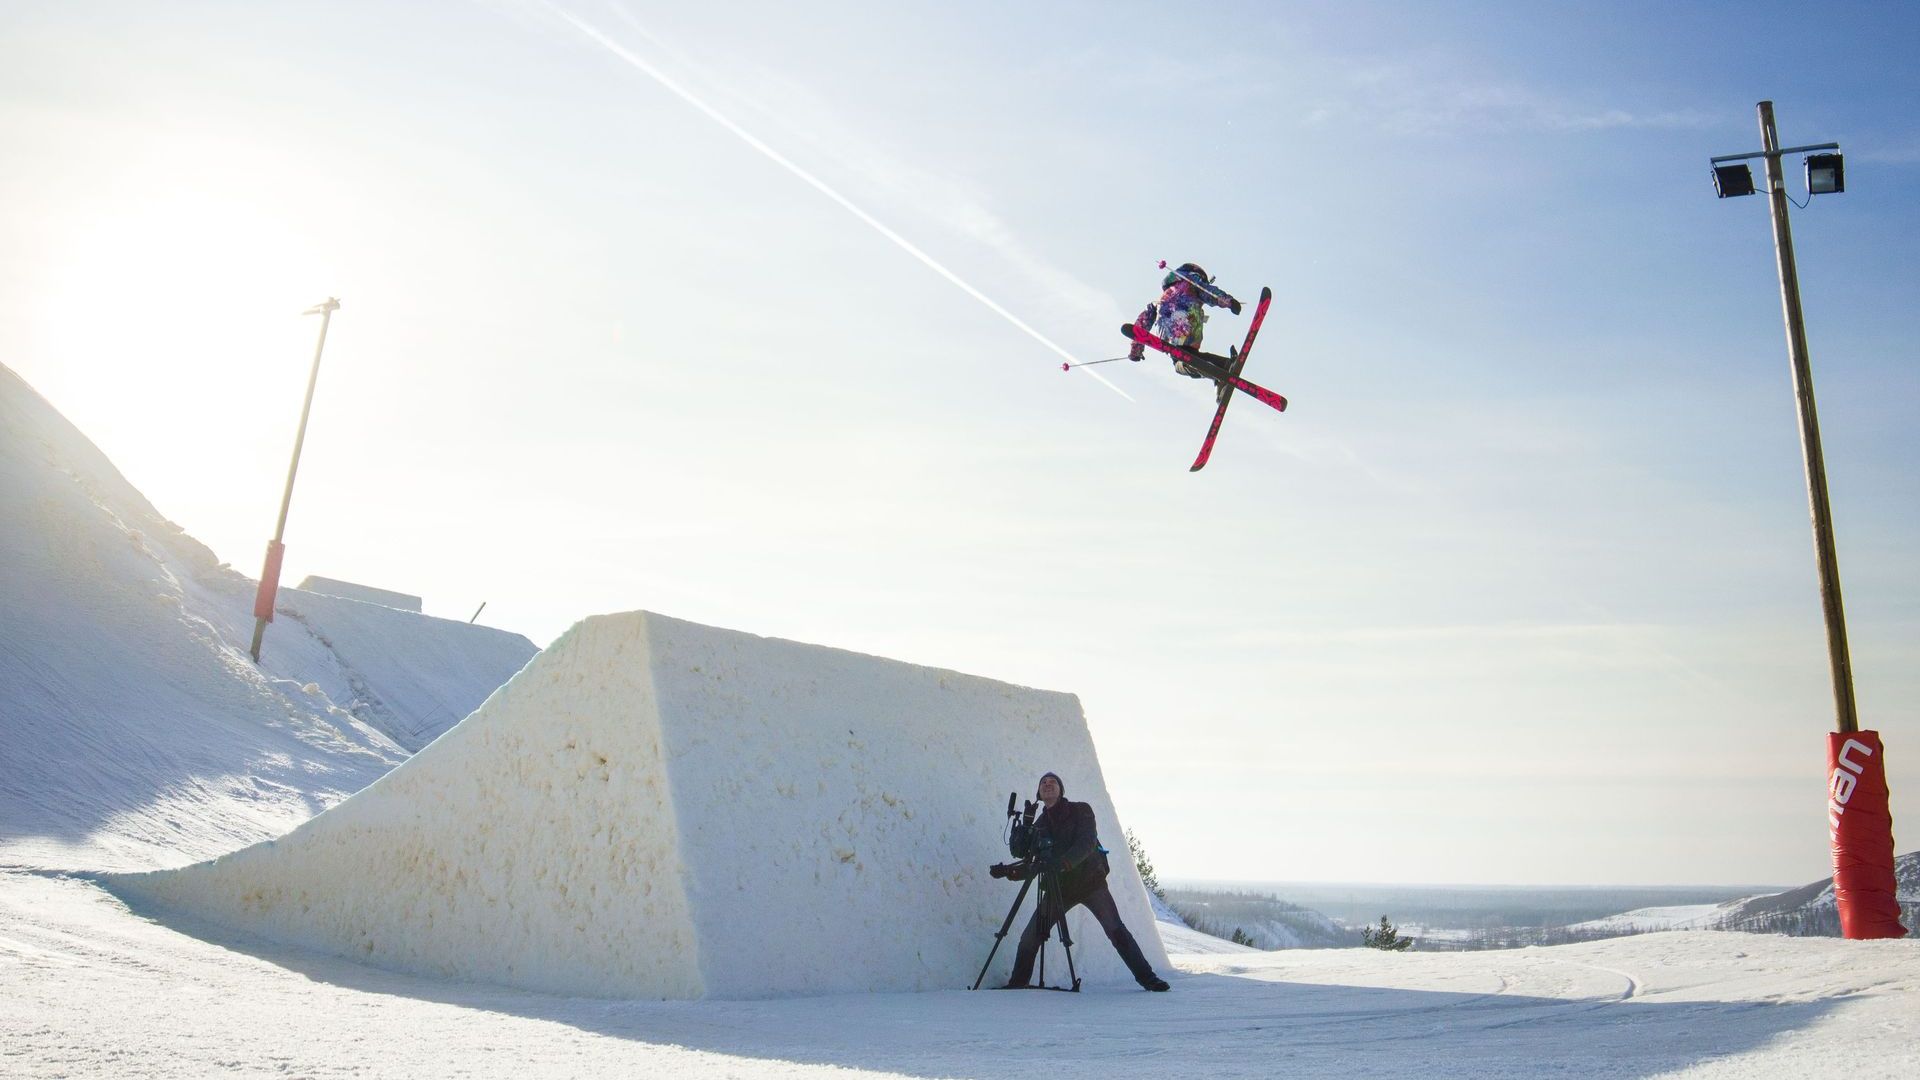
[(1648, 919), (412, 676), (1811, 908), (1270, 923), (95, 991), (134, 730), (654, 808), (1181, 938)]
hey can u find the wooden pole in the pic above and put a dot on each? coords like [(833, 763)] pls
[(1846, 716)]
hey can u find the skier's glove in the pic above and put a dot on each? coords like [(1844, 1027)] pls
[(1233, 305), (1137, 353)]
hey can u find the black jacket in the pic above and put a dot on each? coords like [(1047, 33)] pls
[(1076, 844)]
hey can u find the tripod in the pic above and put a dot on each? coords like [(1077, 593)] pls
[(1049, 890)]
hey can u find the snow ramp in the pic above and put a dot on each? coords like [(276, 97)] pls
[(654, 808)]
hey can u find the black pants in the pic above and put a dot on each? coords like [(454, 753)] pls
[(1100, 903)]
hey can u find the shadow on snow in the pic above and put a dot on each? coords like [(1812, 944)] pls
[(1224, 1025)]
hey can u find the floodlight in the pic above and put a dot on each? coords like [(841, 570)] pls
[(1731, 180), (1825, 176)]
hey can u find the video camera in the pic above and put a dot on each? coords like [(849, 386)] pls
[(1024, 841), (1038, 864)]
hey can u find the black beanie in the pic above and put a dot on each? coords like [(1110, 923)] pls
[(1056, 779)]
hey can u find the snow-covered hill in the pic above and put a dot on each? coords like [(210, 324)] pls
[(408, 675), (1269, 923), (1810, 910), (1650, 919), (135, 732)]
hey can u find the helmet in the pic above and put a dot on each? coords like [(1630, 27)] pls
[(1191, 270)]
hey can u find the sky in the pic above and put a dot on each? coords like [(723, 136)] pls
[(753, 315)]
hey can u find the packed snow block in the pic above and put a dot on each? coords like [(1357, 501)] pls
[(654, 808)]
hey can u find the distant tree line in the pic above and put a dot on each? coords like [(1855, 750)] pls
[(1805, 921), (1519, 937)]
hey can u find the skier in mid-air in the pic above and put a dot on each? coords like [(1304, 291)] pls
[(1174, 325), (1179, 317)]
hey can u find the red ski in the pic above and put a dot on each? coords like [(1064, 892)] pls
[(1207, 364), (1226, 390)]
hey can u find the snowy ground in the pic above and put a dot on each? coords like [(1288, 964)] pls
[(95, 991)]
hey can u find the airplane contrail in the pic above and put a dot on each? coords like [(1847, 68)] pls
[(816, 183)]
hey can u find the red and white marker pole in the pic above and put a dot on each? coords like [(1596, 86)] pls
[(270, 572)]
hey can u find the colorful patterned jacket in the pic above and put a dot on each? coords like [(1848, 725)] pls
[(1179, 317)]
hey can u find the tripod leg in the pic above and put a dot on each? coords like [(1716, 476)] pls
[(1002, 935), (1046, 935), (1046, 928), (1066, 941)]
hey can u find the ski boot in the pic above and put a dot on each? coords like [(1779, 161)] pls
[(1233, 365)]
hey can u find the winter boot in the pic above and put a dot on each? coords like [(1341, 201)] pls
[(1233, 361), (1128, 947)]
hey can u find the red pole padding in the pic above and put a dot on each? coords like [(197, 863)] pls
[(1863, 884), (270, 582)]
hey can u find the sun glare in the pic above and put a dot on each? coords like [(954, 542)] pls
[(169, 311), (179, 282)]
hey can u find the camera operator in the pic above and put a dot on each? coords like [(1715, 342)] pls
[(1068, 843)]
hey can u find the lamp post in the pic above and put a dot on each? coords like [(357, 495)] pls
[(270, 572), (1860, 824), (1846, 713)]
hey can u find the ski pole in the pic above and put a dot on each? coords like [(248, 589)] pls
[(1085, 363), (1207, 287)]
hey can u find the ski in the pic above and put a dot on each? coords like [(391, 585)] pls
[(1207, 365), (1226, 389)]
